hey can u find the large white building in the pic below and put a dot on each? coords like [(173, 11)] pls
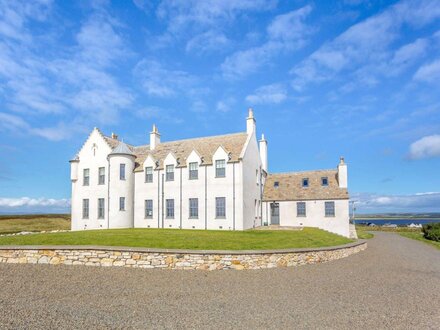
[(217, 182)]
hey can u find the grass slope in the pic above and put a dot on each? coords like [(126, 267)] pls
[(186, 239), (44, 222), (419, 237)]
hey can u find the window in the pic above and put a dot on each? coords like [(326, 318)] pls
[(193, 208), (86, 177), (101, 205), (305, 182), (170, 172), (101, 176), (148, 209), (121, 203), (148, 174), (324, 181), (301, 209), (220, 207), (85, 208), (220, 168), (276, 184), (121, 171), (170, 208), (193, 171), (329, 209)]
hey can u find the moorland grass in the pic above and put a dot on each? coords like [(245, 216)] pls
[(38, 222), (186, 239)]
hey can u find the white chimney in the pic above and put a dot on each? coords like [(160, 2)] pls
[(154, 138), (250, 122), (342, 174), (263, 152)]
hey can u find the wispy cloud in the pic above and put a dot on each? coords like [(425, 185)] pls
[(419, 202), (429, 72), (426, 147), (73, 85), (285, 32), (269, 94)]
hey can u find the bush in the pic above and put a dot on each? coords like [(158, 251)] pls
[(432, 231)]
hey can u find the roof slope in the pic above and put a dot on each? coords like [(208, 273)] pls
[(122, 149), (181, 149), (290, 186)]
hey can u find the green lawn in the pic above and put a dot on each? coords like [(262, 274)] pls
[(186, 239), (419, 236), (42, 222), (363, 234)]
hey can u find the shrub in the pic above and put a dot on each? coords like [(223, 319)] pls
[(432, 231)]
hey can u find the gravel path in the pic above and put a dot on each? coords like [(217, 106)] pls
[(395, 284)]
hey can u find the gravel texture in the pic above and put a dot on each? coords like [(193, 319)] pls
[(394, 284)]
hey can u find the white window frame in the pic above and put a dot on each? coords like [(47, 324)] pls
[(220, 207), (301, 209), (169, 170), (122, 171), (101, 175), (193, 208), (148, 209), (85, 208), (101, 208), (220, 168), (148, 176), (86, 177), (169, 208), (193, 171), (329, 209), (304, 180), (121, 203)]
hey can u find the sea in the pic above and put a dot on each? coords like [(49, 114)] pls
[(399, 222)]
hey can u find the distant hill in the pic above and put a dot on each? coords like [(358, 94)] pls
[(429, 215)]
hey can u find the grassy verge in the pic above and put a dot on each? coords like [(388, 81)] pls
[(45, 222), (362, 234), (186, 239), (419, 237)]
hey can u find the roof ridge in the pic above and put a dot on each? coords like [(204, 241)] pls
[(196, 138), (306, 171)]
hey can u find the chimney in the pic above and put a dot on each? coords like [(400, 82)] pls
[(263, 152), (342, 173), (154, 138), (250, 122), (114, 136)]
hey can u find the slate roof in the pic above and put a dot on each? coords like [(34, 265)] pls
[(290, 186), (122, 149), (181, 149)]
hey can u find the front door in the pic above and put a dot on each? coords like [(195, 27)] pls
[(274, 213)]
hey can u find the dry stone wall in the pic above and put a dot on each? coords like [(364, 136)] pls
[(174, 259)]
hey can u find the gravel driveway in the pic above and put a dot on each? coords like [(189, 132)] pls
[(395, 283)]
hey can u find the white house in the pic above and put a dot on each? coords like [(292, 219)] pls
[(217, 182)]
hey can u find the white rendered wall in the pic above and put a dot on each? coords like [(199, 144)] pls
[(92, 156), (121, 188), (315, 216), (251, 185), (183, 188)]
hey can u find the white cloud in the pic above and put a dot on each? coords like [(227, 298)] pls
[(269, 94), (225, 104), (426, 147), (160, 81), (429, 72), (365, 50), (285, 32), (72, 85), (207, 41), (419, 202), (27, 205)]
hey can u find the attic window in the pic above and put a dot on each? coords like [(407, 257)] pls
[(324, 181), (276, 184), (305, 183)]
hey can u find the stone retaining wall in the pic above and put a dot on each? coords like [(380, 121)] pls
[(173, 259)]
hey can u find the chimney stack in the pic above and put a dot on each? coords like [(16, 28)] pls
[(263, 152), (114, 136), (342, 173), (250, 122), (154, 138)]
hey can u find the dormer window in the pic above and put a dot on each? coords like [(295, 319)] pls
[(276, 184), (324, 181), (149, 174), (305, 183), (220, 168), (170, 172)]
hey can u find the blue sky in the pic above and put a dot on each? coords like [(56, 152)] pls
[(325, 78)]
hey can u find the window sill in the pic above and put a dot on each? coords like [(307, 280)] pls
[(329, 216), (220, 177), (121, 210), (148, 181), (301, 216), (170, 218), (148, 218), (193, 178), (193, 218), (221, 218)]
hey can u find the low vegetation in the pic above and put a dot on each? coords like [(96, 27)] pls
[(33, 222), (431, 231), (185, 239), (419, 236), (363, 233)]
